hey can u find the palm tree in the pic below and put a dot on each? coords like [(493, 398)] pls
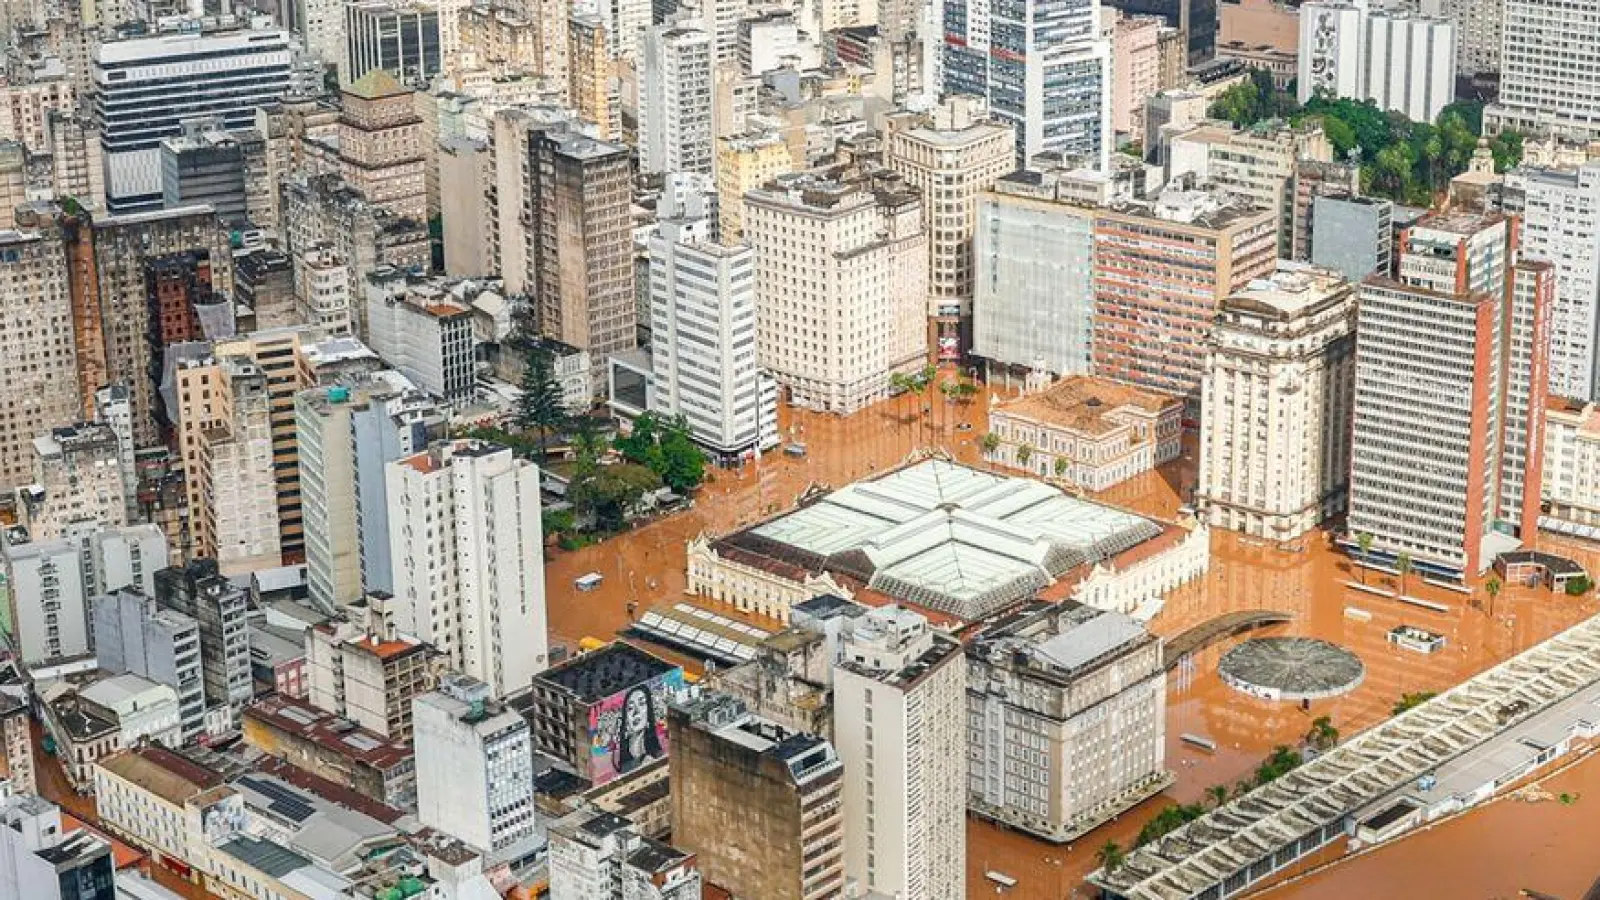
[(1322, 735), (1110, 856), (1217, 794), (1364, 541), (1492, 588), (1402, 564)]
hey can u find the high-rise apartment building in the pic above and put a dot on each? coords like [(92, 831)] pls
[(745, 162), (474, 766), (1043, 68), (1160, 271), (146, 86), (841, 286), (1135, 70), (225, 436), (591, 78), (757, 803), (703, 330), (899, 704), (423, 330), (204, 166), (675, 133), (1547, 66), (134, 634), (1049, 688), (951, 157), (263, 280), (219, 608), (1448, 396), (1275, 405), (1560, 214), (1397, 59), (322, 289), (391, 424), (380, 148), (1354, 236), (1479, 33), (468, 559), (1571, 466), (1258, 164), (51, 582), (39, 387), (579, 248), (42, 860), (361, 668), (77, 477)]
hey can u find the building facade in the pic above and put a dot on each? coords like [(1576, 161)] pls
[(132, 633), (38, 356), (52, 582), (675, 130), (1560, 215), (1547, 65), (1087, 432), (474, 766)]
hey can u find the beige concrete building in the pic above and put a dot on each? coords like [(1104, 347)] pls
[(497, 40), (1572, 467), (379, 151), (745, 162), (951, 157), (25, 108), (233, 509), (1087, 432), (362, 669), (463, 173), (1276, 403), (841, 286), (1135, 70), (38, 362), (76, 163), (1257, 164), (592, 88), (77, 477), (322, 289), (1066, 713)]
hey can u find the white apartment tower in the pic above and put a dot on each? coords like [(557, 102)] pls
[(703, 324), (474, 765), (322, 289), (1400, 61), (841, 287), (1479, 32), (1548, 66), (675, 123), (1560, 212), (899, 695), (1282, 354), (468, 559), (51, 582)]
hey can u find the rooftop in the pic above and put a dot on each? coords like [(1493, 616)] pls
[(169, 775), (604, 672), (1087, 404), (1060, 640), (329, 731), (1293, 290), (273, 859)]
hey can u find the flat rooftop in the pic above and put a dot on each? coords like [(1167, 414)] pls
[(329, 731), (599, 674), (1086, 404), (169, 775)]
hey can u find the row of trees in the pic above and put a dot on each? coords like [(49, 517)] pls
[(1405, 161)]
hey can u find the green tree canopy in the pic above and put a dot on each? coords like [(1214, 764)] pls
[(540, 407), (608, 493)]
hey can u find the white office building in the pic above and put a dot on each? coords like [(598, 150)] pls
[(1479, 32), (133, 634), (675, 123), (145, 87), (1549, 70), (322, 290), (468, 559), (474, 766), (1399, 61), (424, 331), (703, 324), (1561, 225), (899, 695), (841, 280), (51, 582)]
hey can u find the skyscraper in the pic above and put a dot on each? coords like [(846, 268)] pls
[(474, 765), (1042, 66), (1547, 70), (675, 133), (38, 357), (1560, 212), (468, 558)]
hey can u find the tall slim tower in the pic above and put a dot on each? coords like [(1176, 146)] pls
[(38, 360), (675, 132)]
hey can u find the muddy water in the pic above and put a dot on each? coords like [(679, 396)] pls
[(1306, 580)]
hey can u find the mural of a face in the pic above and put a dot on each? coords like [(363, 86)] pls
[(637, 716)]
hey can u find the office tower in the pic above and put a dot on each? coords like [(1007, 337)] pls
[(474, 766), (1033, 304), (675, 101), (263, 280), (132, 633), (591, 82), (155, 275), (423, 330), (322, 290), (1446, 369), (899, 708), (1560, 212), (1257, 164), (603, 714), (841, 287), (77, 477), (1068, 112), (146, 86), (579, 248), (361, 668), (41, 860), (468, 559), (391, 424), (1283, 354), (1479, 33), (1195, 21), (1070, 683), (598, 855), (380, 147), (1547, 83), (203, 166), (50, 583), (219, 608), (744, 163), (702, 326), (401, 37), (757, 803), (1161, 270), (951, 158), (38, 361)]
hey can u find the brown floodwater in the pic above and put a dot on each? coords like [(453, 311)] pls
[(1306, 580)]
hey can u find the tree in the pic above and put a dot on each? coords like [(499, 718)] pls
[(1364, 541), (1110, 856), (540, 407), (683, 465), (1024, 453), (1167, 821), (1279, 763), (1578, 586), (610, 493), (1507, 149), (1217, 794), (1492, 588), (914, 383), (1411, 701), (1402, 564), (990, 442), (1322, 735), (587, 445), (1061, 466), (557, 521)]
